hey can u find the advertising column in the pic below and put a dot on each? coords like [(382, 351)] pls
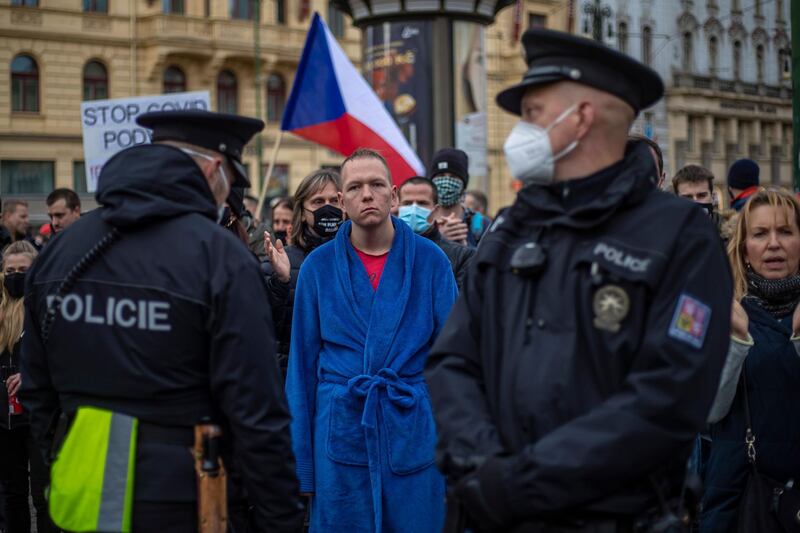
[(398, 66)]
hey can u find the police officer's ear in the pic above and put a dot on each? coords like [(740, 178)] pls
[(586, 114)]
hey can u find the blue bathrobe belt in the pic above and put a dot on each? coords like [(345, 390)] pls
[(399, 390)]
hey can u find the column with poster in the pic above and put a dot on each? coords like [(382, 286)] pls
[(397, 64), (469, 87)]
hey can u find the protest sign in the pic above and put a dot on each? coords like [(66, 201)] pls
[(109, 126)]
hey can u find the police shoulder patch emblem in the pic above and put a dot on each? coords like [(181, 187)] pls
[(690, 321), (611, 305)]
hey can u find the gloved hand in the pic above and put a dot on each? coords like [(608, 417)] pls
[(482, 494)]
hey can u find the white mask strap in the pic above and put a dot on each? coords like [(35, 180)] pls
[(561, 117), (209, 158)]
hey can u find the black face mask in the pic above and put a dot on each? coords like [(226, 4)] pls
[(709, 207), (327, 220), (15, 284), (280, 236)]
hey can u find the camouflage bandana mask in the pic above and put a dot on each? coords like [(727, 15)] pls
[(450, 190)]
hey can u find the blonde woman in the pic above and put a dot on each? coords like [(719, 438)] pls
[(763, 366), (15, 439)]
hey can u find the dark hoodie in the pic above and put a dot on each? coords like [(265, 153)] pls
[(570, 391), (171, 324)]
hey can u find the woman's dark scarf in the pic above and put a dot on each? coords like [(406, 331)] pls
[(778, 297), (313, 240)]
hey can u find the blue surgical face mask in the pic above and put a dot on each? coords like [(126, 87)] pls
[(415, 216)]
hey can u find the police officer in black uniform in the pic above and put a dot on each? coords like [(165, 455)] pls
[(584, 353), (166, 318)]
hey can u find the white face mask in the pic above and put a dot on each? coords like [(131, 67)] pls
[(529, 153)]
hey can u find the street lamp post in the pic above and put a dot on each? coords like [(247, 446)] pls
[(598, 13), (257, 81)]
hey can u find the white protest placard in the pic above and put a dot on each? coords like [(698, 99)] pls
[(109, 126)]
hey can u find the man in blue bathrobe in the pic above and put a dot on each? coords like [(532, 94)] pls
[(368, 307)]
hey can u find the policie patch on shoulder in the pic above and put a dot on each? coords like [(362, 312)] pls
[(690, 321)]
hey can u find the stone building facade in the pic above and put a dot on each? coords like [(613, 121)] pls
[(54, 54), (726, 67)]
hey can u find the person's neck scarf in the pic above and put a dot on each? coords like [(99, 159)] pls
[(778, 297)]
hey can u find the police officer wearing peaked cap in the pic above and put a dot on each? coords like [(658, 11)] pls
[(584, 353), (159, 323)]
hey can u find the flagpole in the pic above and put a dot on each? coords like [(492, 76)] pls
[(272, 159)]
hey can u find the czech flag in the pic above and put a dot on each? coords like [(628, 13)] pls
[(333, 105)]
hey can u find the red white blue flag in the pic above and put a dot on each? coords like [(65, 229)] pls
[(333, 105)]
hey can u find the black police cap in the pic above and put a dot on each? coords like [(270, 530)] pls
[(557, 56), (226, 134)]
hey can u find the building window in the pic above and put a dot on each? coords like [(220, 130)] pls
[(241, 9), (79, 177), (622, 37), (174, 80), (690, 134), (227, 92), (775, 164), (26, 177), (784, 66), (737, 59), (687, 52), (536, 20), (713, 53), (172, 7), (335, 20), (95, 6), (760, 63), (24, 84), (276, 97), (280, 11), (647, 45), (278, 182), (25, 3), (95, 81)]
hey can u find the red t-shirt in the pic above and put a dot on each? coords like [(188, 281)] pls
[(374, 265)]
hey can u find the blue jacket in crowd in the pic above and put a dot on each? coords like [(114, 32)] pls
[(773, 384)]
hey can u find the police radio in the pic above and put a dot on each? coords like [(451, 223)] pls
[(529, 259)]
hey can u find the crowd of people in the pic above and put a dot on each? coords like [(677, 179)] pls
[(384, 358)]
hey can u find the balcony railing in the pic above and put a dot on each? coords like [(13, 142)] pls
[(694, 81), (234, 33)]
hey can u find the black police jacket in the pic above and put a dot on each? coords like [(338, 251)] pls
[(281, 297), (171, 324), (572, 389), (459, 256)]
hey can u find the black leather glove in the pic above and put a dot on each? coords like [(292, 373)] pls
[(482, 494)]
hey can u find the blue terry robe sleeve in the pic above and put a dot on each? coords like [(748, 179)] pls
[(447, 292), (301, 378)]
